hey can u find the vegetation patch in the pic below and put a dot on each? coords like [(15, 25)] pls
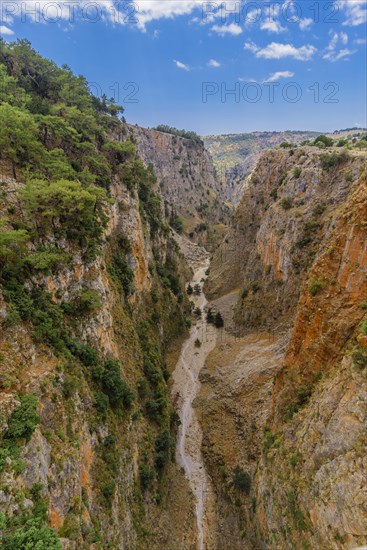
[(315, 286)]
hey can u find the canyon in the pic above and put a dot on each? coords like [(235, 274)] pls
[(175, 372)]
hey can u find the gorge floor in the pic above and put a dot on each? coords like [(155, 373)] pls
[(186, 386)]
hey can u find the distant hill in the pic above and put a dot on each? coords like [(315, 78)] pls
[(236, 155)]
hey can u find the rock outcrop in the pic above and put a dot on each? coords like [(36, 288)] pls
[(294, 422), (188, 182)]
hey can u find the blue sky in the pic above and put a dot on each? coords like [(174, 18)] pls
[(290, 65)]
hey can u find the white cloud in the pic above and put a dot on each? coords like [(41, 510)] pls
[(279, 51), (150, 10), (335, 56), (355, 12), (141, 12), (278, 75), (305, 23), (251, 46), (5, 30), (181, 65), (360, 41), (272, 25), (223, 30), (333, 42), (344, 38), (213, 63), (267, 18), (331, 51)]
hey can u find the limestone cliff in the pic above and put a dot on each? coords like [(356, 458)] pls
[(284, 220), (236, 155), (291, 405), (94, 449), (188, 182)]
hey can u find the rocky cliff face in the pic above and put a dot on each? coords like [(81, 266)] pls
[(102, 472), (236, 155), (293, 401), (285, 218), (188, 182)]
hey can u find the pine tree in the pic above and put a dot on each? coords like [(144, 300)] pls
[(210, 316), (219, 323), (197, 290)]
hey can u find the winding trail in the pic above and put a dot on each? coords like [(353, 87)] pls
[(185, 388)]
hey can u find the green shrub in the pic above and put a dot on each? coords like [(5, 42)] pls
[(286, 203), (241, 480), (88, 301), (198, 343), (47, 259), (315, 286), (297, 514), (87, 355), (363, 327), (255, 287), (176, 223), (308, 236), (108, 490), (188, 134), (360, 358), (70, 386), (197, 290), (274, 194), (163, 446), (12, 317), (157, 406), (118, 152), (324, 140), (293, 458), (330, 160), (301, 398), (297, 172), (32, 536), (270, 440), (114, 386), (71, 527), (120, 270), (101, 403), (342, 142), (282, 180), (24, 419), (146, 475), (319, 210)]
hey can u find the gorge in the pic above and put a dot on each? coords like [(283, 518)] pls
[(175, 373)]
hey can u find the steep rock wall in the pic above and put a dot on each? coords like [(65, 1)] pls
[(304, 445), (87, 462), (187, 180), (286, 215)]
